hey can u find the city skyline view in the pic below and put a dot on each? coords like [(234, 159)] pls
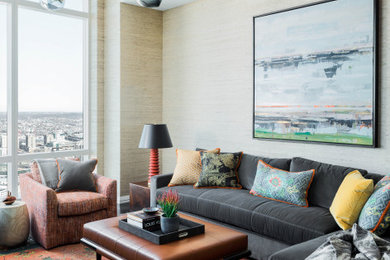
[(41, 132)]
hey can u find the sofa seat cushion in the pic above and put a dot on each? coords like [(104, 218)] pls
[(80, 202), (233, 207), (188, 196), (290, 223)]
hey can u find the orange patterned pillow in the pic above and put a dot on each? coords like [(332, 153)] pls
[(35, 171), (188, 167)]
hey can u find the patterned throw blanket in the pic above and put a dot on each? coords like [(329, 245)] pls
[(356, 243)]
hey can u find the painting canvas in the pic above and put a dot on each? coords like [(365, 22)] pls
[(314, 73)]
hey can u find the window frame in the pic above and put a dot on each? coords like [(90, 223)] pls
[(13, 158)]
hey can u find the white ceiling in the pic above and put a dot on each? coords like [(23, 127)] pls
[(165, 4)]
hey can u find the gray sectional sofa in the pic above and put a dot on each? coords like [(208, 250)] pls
[(275, 230)]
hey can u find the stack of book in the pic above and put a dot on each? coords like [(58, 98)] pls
[(143, 220)]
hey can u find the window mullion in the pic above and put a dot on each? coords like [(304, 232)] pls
[(13, 96)]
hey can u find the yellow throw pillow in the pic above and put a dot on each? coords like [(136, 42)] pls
[(350, 198), (188, 167)]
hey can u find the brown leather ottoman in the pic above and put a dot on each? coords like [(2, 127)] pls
[(217, 242)]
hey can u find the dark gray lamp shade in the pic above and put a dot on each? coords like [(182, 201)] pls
[(155, 136)]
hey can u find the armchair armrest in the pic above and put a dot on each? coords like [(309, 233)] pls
[(42, 206), (40, 199), (157, 182), (107, 187)]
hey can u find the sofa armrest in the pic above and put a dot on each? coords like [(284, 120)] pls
[(157, 182), (107, 187), (301, 250)]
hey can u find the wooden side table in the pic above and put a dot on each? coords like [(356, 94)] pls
[(14, 224), (139, 195)]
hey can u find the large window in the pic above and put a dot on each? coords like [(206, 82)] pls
[(43, 85)]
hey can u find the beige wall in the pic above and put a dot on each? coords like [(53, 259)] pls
[(96, 80), (141, 87), (207, 84), (125, 87)]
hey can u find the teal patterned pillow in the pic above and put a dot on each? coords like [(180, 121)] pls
[(282, 186), (219, 171), (375, 215)]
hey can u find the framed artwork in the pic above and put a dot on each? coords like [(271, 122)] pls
[(314, 74)]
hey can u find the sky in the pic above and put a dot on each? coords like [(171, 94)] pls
[(50, 61)]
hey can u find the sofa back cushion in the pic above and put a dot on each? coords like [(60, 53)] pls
[(326, 181), (374, 176), (248, 168)]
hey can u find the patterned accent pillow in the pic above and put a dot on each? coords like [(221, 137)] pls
[(282, 186), (188, 167), (219, 170), (375, 215)]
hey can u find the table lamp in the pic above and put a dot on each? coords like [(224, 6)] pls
[(154, 136)]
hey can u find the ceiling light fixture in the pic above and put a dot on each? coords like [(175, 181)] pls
[(52, 5), (149, 3)]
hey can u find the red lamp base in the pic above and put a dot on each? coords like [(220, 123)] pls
[(154, 168)]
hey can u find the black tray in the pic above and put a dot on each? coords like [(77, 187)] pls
[(187, 229)]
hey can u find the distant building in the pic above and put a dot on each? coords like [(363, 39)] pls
[(3, 145), (31, 142), (4, 141)]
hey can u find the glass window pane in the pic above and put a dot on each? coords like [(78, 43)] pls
[(23, 167), (78, 5), (3, 180), (50, 82), (3, 80)]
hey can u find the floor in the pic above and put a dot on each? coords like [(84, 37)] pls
[(32, 250)]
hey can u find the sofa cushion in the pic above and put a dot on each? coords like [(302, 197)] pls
[(375, 215), (326, 181), (234, 207), (350, 198), (188, 167), (188, 196), (76, 175), (248, 166), (290, 223), (219, 170), (374, 176), (283, 186), (80, 202), (284, 222)]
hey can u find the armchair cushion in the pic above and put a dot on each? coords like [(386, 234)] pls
[(80, 202), (76, 175)]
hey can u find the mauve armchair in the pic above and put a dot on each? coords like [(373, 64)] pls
[(58, 218)]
